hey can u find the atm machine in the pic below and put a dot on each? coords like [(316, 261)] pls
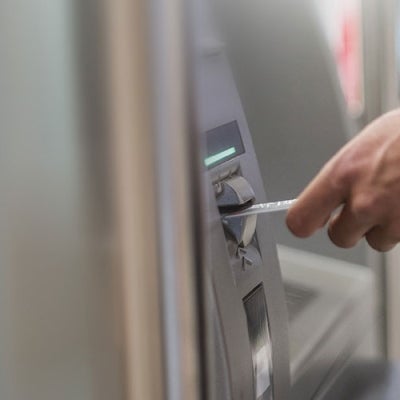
[(333, 337), (287, 84), (249, 345), (250, 321), (330, 300)]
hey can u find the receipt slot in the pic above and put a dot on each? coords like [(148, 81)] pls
[(248, 353)]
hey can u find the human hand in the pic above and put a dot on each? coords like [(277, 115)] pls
[(364, 177)]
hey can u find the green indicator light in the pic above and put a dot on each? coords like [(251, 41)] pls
[(219, 156)]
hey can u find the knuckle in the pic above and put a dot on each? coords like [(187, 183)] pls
[(365, 207), (341, 177), (346, 170)]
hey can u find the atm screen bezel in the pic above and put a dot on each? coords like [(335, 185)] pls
[(220, 140)]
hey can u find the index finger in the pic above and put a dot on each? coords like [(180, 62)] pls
[(317, 202)]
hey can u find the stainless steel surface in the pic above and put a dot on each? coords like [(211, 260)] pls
[(92, 276), (176, 176), (339, 313), (298, 297), (366, 380), (59, 310), (133, 193)]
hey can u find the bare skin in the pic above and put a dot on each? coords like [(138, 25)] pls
[(364, 178)]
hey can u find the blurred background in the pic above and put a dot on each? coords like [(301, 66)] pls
[(111, 244)]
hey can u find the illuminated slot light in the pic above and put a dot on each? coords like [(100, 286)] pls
[(219, 156)]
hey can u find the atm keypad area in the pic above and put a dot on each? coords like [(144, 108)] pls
[(244, 268)]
